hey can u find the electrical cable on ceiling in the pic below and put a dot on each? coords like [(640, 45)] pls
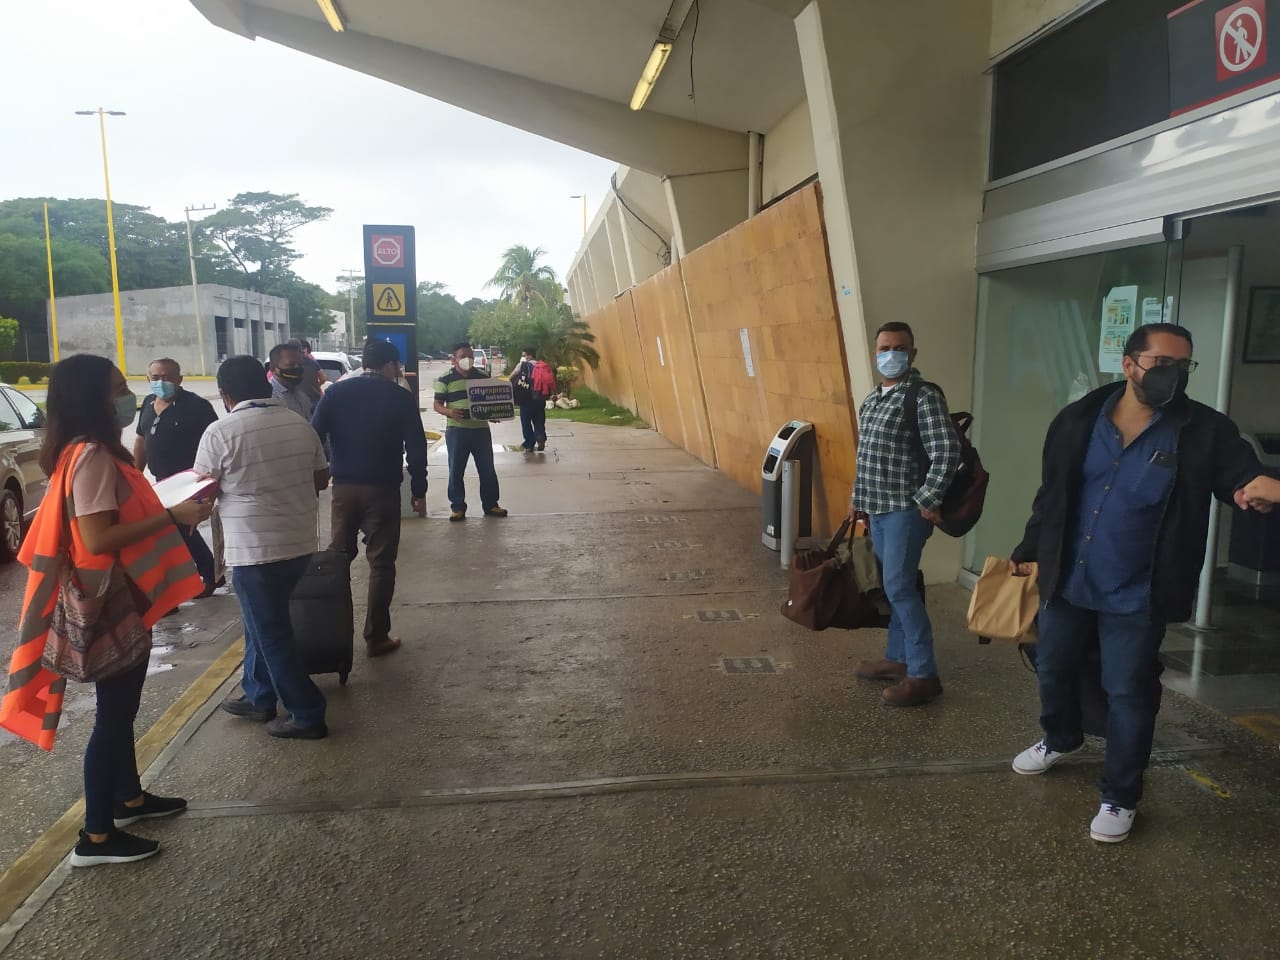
[(693, 40), (665, 255)]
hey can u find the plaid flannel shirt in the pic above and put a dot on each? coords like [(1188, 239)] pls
[(888, 477)]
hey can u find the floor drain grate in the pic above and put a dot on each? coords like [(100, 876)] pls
[(685, 576), (739, 665), (719, 616)]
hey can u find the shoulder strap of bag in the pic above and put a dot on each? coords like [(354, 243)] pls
[(846, 529), (911, 411)]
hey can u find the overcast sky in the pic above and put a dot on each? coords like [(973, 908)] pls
[(211, 114)]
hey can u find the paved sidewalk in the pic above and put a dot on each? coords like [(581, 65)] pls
[(558, 764)]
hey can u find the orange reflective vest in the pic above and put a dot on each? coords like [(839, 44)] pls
[(159, 566)]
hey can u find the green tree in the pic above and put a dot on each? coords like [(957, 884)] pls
[(254, 236), (523, 280), (255, 233), (8, 336)]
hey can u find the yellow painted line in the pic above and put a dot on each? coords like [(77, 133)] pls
[(1265, 725), (1220, 792), (40, 859)]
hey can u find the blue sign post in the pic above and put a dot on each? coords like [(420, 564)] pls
[(391, 292)]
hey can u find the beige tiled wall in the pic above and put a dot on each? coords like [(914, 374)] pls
[(769, 276)]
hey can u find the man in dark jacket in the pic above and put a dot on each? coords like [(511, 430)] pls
[(373, 428), (1119, 530)]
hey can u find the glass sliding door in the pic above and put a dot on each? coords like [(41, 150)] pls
[(1048, 334)]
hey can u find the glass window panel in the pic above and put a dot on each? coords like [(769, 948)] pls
[(1039, 335)]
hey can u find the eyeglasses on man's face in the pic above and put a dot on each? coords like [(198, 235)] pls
[(1156, 361)]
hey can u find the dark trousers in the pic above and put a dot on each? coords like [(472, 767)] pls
[(273, 670), (200, 553), (463, 443), (533, 422), (1131, 668), (375, 512), (110, 767)]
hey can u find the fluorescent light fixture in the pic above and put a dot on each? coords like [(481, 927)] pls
[(649, 76), (332, 14)]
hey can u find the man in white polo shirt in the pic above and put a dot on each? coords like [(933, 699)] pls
[(269, 466)]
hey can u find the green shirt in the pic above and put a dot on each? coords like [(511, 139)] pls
[(452, 392)]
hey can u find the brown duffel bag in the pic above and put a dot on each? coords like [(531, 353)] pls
[(822, 592)]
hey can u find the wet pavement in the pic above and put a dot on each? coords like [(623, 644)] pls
[(600, 739)]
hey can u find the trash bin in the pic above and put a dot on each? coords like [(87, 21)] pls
[(794, 441)]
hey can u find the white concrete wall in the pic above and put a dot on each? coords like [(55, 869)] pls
[(789, 157), (162, 323)]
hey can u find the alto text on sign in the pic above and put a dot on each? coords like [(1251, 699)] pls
[(388, 299), (387, 250)]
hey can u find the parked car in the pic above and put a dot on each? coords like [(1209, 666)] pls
[(22, 482), (481, 361), (335, 365)]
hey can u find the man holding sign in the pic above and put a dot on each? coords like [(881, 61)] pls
[(467, 436)]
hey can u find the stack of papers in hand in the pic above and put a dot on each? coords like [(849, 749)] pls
[(182, 487)]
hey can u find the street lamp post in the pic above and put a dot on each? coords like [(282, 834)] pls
[(583, 198), (195, 286), (351, 278), (111, 228)]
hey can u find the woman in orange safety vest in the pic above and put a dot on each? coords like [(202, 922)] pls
[(123, 544)]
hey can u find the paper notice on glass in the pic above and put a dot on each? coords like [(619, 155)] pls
[(182, 487), (1152, 310), (1119, 310)]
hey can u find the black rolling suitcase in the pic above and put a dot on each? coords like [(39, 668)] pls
[(323, 616)]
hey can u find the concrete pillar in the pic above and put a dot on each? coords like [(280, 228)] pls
[(617, 248), (704, 205), (898, 136)]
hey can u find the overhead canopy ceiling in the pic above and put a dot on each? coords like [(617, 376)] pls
[(565, 69)]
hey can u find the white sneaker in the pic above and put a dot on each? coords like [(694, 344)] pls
[(1039, 758), (1112, 824)]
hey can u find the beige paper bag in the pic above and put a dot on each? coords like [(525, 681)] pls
[(1003, 606)]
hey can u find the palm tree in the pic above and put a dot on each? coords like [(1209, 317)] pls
[(564, 340), (523, 280)]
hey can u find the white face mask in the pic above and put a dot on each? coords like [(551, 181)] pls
[(464, 364)]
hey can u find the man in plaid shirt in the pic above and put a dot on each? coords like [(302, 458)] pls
[(903, 509)]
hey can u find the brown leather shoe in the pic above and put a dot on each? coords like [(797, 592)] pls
[(880, 670), (389, 645), (912, 692)]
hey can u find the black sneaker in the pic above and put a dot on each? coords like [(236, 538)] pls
[(151, 806), (542, 445), (286, 728), (119, 847), (242, 707)]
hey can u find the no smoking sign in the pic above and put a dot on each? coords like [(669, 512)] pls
[(387, 250), (1242, 38)]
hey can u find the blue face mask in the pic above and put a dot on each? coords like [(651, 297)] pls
[(163, 389), (893, 363)]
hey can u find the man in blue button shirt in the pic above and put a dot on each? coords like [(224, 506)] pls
[(373, 428), (1119, 530)]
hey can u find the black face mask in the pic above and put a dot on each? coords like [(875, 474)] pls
[(289, 376), (1161, 385)]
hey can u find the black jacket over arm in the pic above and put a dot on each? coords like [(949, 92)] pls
[(1212, 460)]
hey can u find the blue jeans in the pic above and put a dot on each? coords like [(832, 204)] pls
[(533, 423), (110, 766), (1131, 668), (272, 667), (462, 443), (899, 540)]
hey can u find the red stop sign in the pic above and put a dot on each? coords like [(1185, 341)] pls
[(387, 251)]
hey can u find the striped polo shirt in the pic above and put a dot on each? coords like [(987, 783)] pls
[(452, 392), (264, 457)]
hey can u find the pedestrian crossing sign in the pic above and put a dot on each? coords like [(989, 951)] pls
[(388, 300)]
